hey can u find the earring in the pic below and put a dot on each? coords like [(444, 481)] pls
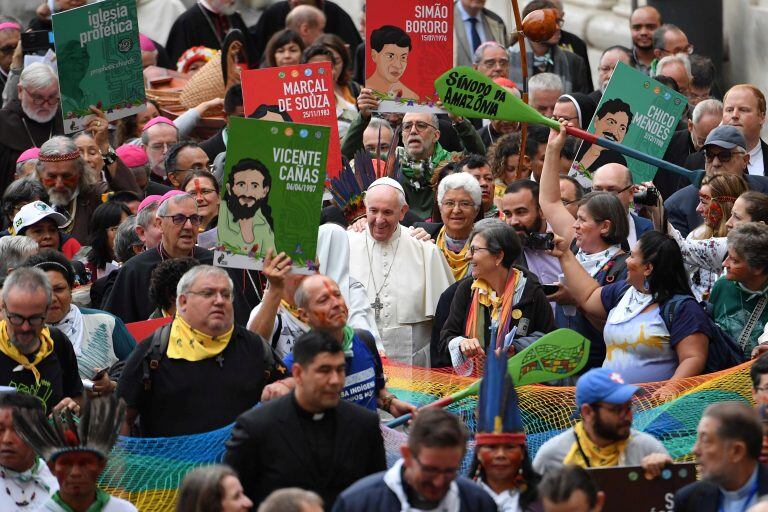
[(646, 284)]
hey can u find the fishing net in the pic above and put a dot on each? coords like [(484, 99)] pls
[(148, 472)]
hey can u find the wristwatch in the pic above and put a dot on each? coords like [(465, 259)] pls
[(109, 157)]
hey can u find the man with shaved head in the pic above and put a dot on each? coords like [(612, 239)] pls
[(617, 179)]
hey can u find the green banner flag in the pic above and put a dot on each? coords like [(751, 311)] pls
[(468, 93), (636, 111), (271, 193), (99, 61)]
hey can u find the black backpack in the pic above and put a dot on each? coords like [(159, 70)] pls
[(723, 352)]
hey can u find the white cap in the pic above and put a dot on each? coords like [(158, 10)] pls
[(34, 212), (389, 182)]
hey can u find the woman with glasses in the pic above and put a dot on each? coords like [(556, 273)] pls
[(99, 339), (103, 227), (202, 185), (500, 296), (641, 341)]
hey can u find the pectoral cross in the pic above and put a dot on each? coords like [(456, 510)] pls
[(377, 306), (220, 360)]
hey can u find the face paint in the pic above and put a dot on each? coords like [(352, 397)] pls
[(198, 190)]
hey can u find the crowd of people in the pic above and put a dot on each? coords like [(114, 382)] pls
[(482, 235)]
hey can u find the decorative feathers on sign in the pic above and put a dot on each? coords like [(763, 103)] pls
[(348, 188), (96, 431)]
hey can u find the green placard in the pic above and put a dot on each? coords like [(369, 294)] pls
[(638, 112), (99, 61), (272, 193)]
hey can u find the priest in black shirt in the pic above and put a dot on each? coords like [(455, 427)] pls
[(206, 23), (310, 438), (208, 370), (34, 359)]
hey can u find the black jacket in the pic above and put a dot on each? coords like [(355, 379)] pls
[(678, 151), (533, 305), (705, 497), (269, 450)]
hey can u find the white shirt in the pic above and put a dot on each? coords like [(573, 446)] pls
[(480, 25), (632, 236), (755, 166), (407, 277), (28, 490)]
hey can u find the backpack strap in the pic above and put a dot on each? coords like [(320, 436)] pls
[(157, 348), (669, 307)]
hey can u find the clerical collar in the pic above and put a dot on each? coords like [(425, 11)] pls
[(303, 413), (748, 490)]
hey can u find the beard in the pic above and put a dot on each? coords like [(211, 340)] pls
[(608, 432), (60, 198), (242, 211), (24, 348), (36, 115)]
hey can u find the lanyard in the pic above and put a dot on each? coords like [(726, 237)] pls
[(752, 493)]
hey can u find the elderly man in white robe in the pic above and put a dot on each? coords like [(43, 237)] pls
[(403, 276)]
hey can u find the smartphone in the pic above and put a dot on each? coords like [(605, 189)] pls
[(99, 374), (549, 289), (37, 42)]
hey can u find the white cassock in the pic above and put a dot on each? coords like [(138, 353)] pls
[(408, 277)]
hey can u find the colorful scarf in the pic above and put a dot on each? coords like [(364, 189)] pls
[(10, 350), (596, 456), (192, 345), (501, 307), (419, 172), (458, 262)]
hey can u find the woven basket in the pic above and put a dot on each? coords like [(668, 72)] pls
[(205, 85)]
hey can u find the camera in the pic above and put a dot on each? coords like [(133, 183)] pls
[(539, 241), (648, 197)]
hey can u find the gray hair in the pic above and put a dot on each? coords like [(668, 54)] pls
[(290, 499), (20, 165), (681, 59), (126, 239), (478, 56), (377, 123), (38, 76), (499, 238), (308, 14), (750, 241), (61, 145), (188, 279), (300, 296), (460, 180), (545, 82), (14, 251), (147, 215), (145, 133), (710, 107), (29, 279), (177, 199)]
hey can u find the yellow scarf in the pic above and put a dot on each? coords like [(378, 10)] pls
[(192, 345), (597, 457), (459, 263), (9, 349), (291, 309), (487, 297)]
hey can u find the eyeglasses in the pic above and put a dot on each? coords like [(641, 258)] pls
[(161, 146), (723, 156), (560, 22), (8, 49), (463, 205), (41, 100), (68, 180), (209, 294), (612, 190), (193, 168), (431, 471), (492, 63), (18, 320), (419, 125), (617, 409), (180, 219), (473, 249)]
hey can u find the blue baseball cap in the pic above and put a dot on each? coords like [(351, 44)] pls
[(603, 385)]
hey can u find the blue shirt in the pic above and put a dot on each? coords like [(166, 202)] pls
[(364, 375)]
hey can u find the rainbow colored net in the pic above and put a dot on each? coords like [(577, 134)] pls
[(148, 472)]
